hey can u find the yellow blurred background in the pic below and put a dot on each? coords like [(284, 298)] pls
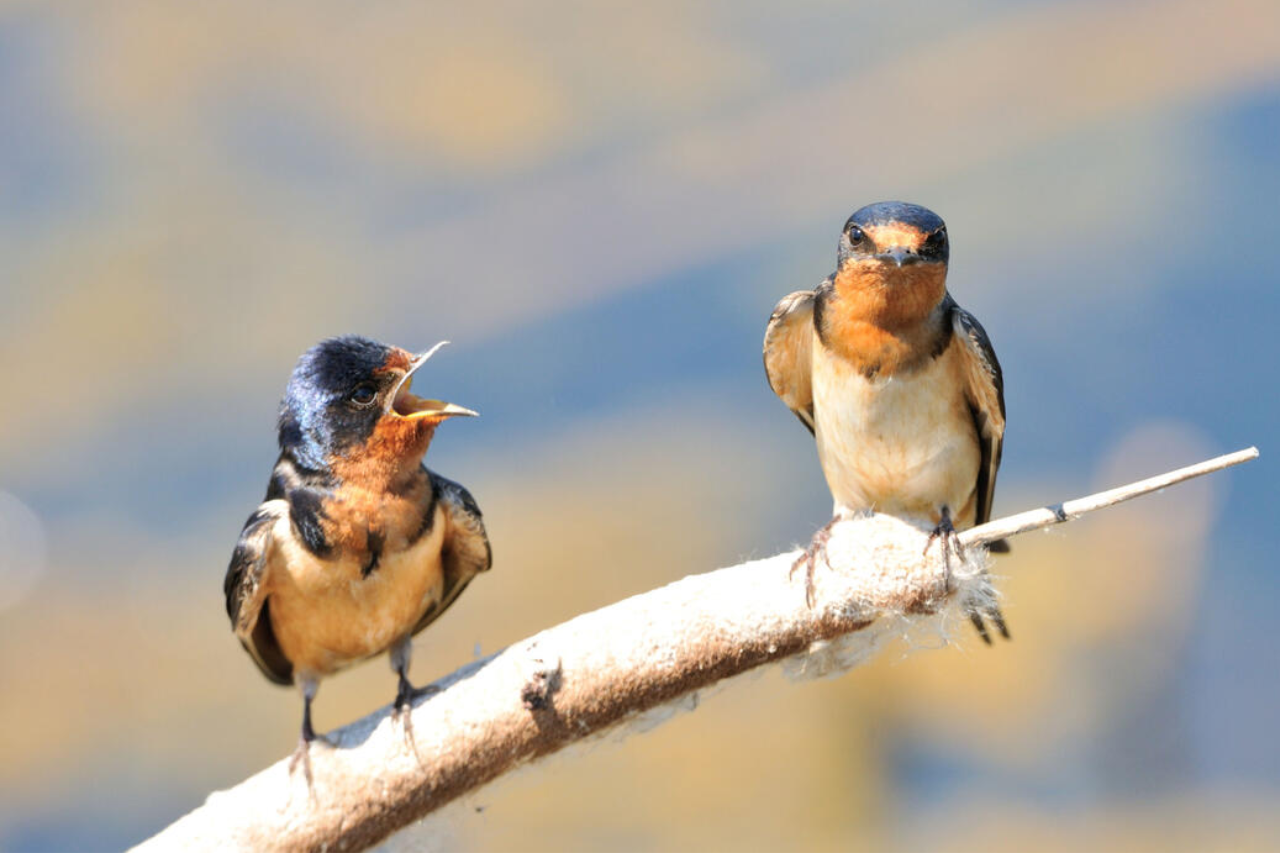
[(599, 204)]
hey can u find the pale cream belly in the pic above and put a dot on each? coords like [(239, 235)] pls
[(903, 445), (326, 616)]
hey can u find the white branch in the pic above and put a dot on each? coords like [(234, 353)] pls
[(600, 669), (1046, 516)]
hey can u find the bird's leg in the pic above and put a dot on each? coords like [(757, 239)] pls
[(406, 693), (945, 531), (809, 557), (302, 755)]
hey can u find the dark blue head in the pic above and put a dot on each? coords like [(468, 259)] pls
[(346, 390), (896, 233)]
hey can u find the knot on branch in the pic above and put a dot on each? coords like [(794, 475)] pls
[(542, 681)]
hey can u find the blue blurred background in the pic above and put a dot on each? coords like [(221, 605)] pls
[(600, 205)]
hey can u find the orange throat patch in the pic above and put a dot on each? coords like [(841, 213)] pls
[(383, 490), (878, 316), (391, 455)]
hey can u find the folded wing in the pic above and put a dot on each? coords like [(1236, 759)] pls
[(788, 353), (985, 392), (245, 589), (466, 551)]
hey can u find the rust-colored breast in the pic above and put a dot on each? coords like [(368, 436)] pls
[(883, 319)]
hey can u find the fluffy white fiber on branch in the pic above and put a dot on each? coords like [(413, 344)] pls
[(605, 668)]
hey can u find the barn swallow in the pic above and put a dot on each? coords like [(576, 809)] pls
[(357, 546), (898, 384)]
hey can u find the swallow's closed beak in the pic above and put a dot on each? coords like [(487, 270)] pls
[(405, 405), (900, 256)]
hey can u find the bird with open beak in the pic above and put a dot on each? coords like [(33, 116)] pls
[(898, 384), (357, 546)]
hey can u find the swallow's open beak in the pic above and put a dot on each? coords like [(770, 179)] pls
[(415, 408), (405, 405)]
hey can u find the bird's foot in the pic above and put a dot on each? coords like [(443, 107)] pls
[(809, 557), (407, 694), (402, 710), (945, 531)]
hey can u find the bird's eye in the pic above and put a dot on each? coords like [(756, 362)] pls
[(855, 235), (363, 396), (936, 242)]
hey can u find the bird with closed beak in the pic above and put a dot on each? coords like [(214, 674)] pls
[(357, 546), (898, 384)]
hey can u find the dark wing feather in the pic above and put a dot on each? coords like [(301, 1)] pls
[(788, 353), (985, 392), (466, 551), (245, 590)]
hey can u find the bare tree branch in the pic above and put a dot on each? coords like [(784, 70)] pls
[(601, 669), (1047, 516)]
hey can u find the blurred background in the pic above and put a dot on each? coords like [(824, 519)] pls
[(600, 206)]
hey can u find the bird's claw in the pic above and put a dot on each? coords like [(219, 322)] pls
[(809, 558), (302, 755), (402, 709), (993, 613)]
